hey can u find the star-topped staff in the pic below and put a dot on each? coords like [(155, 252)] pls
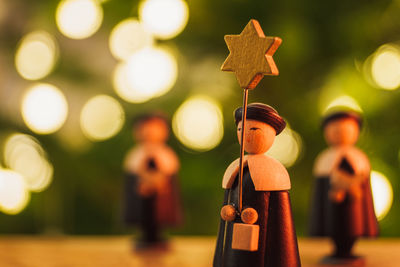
[(250, 58)]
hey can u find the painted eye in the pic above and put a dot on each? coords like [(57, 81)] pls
[(254, 128), (239, 129)]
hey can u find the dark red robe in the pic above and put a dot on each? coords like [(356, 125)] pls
[(277, 245), (152, 212), (354, 217)]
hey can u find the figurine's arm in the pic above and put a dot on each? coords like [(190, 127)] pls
[(167, 161), (348, 177), (135, 160)]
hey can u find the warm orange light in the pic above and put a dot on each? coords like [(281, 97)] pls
[(382, 193), (385, 67), (164, 18), (148, 73), (343, 101), (287, 147), (23, 154), (128, 37), (125, 89), (102, 117), (44, 108), (78, 19), (14, 195), (36, 55), (152, 70), (198, 123)]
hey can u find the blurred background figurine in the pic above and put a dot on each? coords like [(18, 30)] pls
[(151, 189), (263, 234), (342, 205)]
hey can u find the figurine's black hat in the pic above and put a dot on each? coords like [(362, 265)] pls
[(342, 114), (264, 113)]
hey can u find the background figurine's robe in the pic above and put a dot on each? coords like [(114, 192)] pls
[(354, 216), (277, 244), (161, 208)]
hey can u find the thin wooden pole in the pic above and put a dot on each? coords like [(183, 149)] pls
[(244, 115)]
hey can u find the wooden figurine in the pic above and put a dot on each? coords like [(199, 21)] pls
[(257, 227), (342, 206), (151, 190), (264, 233)]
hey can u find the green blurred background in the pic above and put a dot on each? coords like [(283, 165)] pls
[(325, 54)]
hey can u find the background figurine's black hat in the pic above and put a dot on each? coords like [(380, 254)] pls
[(264, 113), (341, 114), (139, 119)]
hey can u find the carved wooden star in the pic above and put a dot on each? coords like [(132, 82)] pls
[(250, 56)]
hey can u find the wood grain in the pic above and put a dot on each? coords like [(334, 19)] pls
[(245, 236), (24, 251), (250, 56)]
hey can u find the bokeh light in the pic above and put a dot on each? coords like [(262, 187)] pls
[(150, 72), (198, 123), (287, 147), (36, 55), (78, 19), (44, 108), (385, 67), (127, 37), (164, 18), (123, 87), (382, 193), (343, 101), (102, 117), (14, 195), (24, 154)]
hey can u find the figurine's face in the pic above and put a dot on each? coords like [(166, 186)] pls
[(152, 131), (258, 138), (344, 131)]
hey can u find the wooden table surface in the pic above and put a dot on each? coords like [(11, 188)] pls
[(23, 251)]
